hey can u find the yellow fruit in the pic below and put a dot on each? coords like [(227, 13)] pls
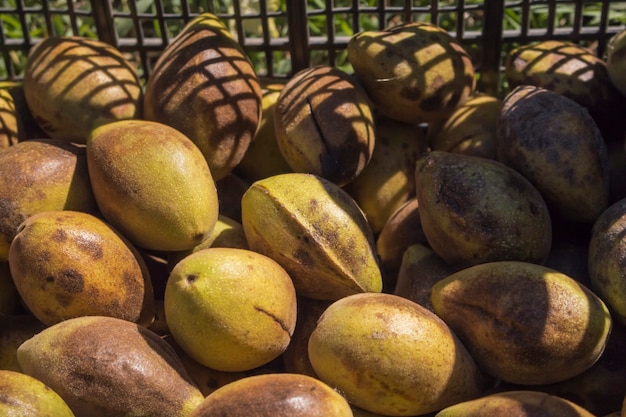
[(391, 356), (9, 127), (152, 184), (522, 322), (68, 264), (24, 396), (314, 230), (230, 309), (73, 84)]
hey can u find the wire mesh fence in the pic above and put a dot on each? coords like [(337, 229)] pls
[(284, 36)]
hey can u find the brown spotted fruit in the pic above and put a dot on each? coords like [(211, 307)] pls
[(314, 230), (275, 395), (204, 85), (41, 175), (73, 84), (324, 124), (391, 356), (22, 395), (109, 367), (555, 144), (475, 210), (520, 403), (152, 183), (606, 260), (67, 264), (415, 72), (524, 323), (230, 309)]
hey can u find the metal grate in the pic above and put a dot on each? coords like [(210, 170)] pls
[(282, 37)]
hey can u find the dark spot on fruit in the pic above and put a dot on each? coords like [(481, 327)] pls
[(90, 246), (5, 398), (411, 93), (50, 279), (191, 278), (71, 281), (59, 235), (303, 257)]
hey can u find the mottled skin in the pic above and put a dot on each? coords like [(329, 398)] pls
[(554, 143), (607, 258), (324, 124), (314, 230), (516, 404), (67, 264), (475, 210), (73, 84), (522, 322), (275, 395), (41, 175), (108, 367), (414, 72), (205, 86), (391, 356), (22, 395)]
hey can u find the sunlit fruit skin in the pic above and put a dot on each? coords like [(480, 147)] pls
[(275, 395), (230, 309), (537, 326), (205, 86), (314, 230), (414, 73), (152, 183), (68, 264), (109, 87), (391, 356), (108, 367)]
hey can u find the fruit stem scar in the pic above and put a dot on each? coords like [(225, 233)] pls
[(276, 319)]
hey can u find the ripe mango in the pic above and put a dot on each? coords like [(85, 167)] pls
[(314, 230), (24, 396), (73, 84), (152, 184), (204, 85), (524, 323)]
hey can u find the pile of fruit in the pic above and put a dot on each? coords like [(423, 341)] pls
[(389, 242)]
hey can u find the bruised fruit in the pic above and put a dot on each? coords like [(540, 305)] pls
[(73, 84), (391, 356), (41, 175), (275, 395), (67, 264), (516, 404), (230, 309), (536, 326), (324, 125), (606, 260), (314, 230), (475, 210), (24, 396), (152, 184), (108, 367), (415, 72), (204, 85), (555, 144)]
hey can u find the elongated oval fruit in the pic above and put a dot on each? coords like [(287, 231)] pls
[(324, 124), (275, 395), (73, 84), (41, 175), (67, 264), (314, 230), (205, 86), (524, 323), (606, 260), (475, 210), (152, 184), (22, 395), (391, 356), (522, 403), (108, 367)]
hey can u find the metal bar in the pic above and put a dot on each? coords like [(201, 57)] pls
[(298, 34), (491, 46), (103, 20)]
